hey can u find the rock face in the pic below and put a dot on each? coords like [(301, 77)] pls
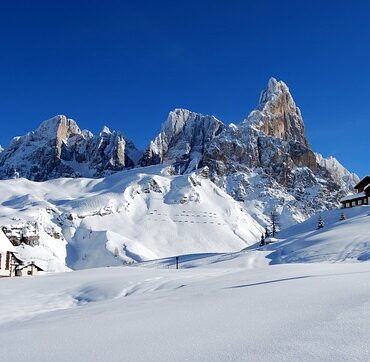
[(183, 140), (265, 161), (58, 148), (271, 137), (277, 115)]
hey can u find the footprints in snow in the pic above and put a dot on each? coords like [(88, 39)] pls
[(190, 217)]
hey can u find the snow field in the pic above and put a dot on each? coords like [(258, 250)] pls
[(216, 307), (284, 312), (129, 216)]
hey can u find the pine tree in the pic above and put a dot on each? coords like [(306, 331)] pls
[(274, 222), (262, 242), (320, 223)]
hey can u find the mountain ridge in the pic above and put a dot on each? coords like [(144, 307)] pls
[(265, 161)]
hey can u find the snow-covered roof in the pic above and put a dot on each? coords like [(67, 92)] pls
[(360, 195), (5, 244), (20, 267)]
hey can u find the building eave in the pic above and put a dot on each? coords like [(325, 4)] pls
[(361, 181)]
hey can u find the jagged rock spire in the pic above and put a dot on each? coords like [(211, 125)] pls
[(277, 114)]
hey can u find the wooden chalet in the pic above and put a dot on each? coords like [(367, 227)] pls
[(8, 259), (10, 264), (362, 197), (27, 269)]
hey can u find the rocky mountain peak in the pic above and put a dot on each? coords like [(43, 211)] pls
[(273, 90), (277, 114), (182, 140), (176, 120), (59, 127), (58, 148), (105, 131)]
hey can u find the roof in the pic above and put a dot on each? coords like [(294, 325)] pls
[(20, 267), (364, 180), (360, 195), (5, 244)]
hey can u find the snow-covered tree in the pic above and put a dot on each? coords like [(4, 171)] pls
[(320, 223)]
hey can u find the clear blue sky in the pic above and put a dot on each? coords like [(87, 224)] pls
[(127, 63)]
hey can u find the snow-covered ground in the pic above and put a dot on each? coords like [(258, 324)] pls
[(307, 312), (217, 307), (345, 240)]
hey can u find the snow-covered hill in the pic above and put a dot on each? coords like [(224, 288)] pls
[(338, 241), (345, 240), (134, 215)]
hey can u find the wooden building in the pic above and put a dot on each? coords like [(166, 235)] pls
[(8, 258), (27, 269), (362, 197), (10, 264)]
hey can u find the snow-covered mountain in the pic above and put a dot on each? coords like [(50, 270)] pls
[(58, 148), (134, 215), (183, 140), (266, 161), (201, 186)]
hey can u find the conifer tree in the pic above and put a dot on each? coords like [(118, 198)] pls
[(320, 223), (262, 242), (274, 221)]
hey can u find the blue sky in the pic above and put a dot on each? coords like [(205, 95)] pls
[(127, 64)]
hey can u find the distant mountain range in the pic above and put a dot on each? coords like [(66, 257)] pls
[(265, 161)]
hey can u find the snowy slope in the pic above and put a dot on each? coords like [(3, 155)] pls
[(315, 312), (218, 306), (339, 241), (135, 215)]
